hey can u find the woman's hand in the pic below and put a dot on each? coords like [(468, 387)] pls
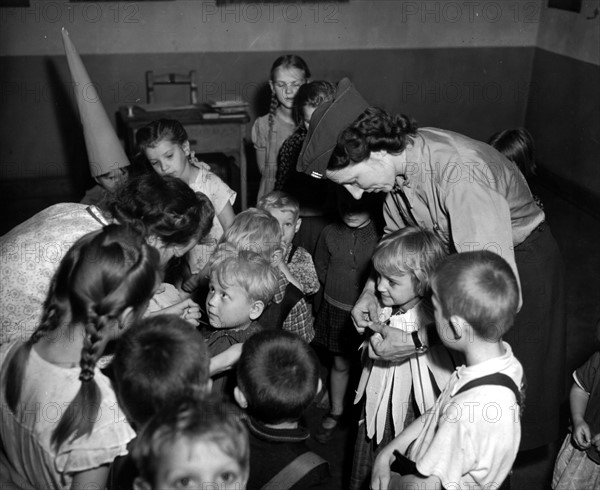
[(186, 309), (390, 344), (366, 310)]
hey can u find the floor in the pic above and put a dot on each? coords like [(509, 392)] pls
[(578, 235)]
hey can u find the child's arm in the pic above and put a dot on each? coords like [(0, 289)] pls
[(578, 399), (380, 477), (411, 482), (186, 309), (226, 359), (226, 216), (288, 274), (94, 478)]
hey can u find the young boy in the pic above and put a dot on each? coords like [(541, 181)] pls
[(278, 378), (106, 184), (197, 444), (241, 285), (257, 230), (157, 360), (286, 210), (471, 436)]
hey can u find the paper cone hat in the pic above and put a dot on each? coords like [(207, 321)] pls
[(104, 149)]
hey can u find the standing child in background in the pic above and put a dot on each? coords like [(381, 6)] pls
[(241, 285), (103, 284), (470, 438), (312, 194), (286, 210), (278, 378), (196, 444), (166, 146), (578, 462), (288, 74), (395, 393), (257, 230), (517, 145), (343, 259)]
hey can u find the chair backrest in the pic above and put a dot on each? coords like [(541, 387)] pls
[(171, 79)]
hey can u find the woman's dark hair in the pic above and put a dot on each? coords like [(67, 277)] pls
[(162, 129), (312, 94), (517, 145), (163, 206), (101, 275), (374, 130)]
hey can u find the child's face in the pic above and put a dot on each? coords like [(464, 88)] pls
[(288, 223), (197, 464), (397, 290), (356, 219), (168, 158), (227, 307), (112, 179), (285, 84), (307, 112)]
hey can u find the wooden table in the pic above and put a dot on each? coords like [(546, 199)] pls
[(216, 135)]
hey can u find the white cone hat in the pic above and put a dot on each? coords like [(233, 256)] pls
[(104, 149)]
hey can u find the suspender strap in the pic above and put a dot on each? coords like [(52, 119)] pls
[(499, 379), (290, 299), (292, 252), (294, 471)]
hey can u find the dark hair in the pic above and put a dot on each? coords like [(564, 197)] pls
[(162, 129), (374, 130), (101, 275), (480, 287), (286, 61), (159, 359), (278, 374), (312, 94), (209, 420), (517, 145), (163, 206)]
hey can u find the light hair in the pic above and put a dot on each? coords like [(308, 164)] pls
[(255, 230), (481, 288), (246, 269), (281, 201), (410, 251), (194, 420)]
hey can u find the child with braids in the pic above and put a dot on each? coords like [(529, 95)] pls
[(288, 74), (60, 424)]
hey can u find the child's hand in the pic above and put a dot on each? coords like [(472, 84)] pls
[(596, 442), (380, 475), (186, 309), (191, 283), (582, 436)]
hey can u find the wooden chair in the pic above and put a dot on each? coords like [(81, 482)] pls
[(171, 79)]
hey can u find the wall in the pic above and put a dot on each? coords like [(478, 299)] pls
[(563, 111), (461, 65)]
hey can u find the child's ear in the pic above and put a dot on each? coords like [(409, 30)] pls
[(277, 256), (240, 398), (256, 309), (186, 148), (298, 223), (140, 484), (457, 326), (272, 86), (126, 318)]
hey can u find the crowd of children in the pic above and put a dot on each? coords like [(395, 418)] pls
[(128, 379)]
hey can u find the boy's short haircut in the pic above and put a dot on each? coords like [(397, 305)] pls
[(246, 269), (278, 374), (256, 230), (281, 201), (480, 287), (160, 358), (410, 250), (209, 420)]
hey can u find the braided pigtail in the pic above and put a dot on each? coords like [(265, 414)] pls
[(117, 270), (274, 104)]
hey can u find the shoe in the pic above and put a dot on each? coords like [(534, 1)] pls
[(325, 434)]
